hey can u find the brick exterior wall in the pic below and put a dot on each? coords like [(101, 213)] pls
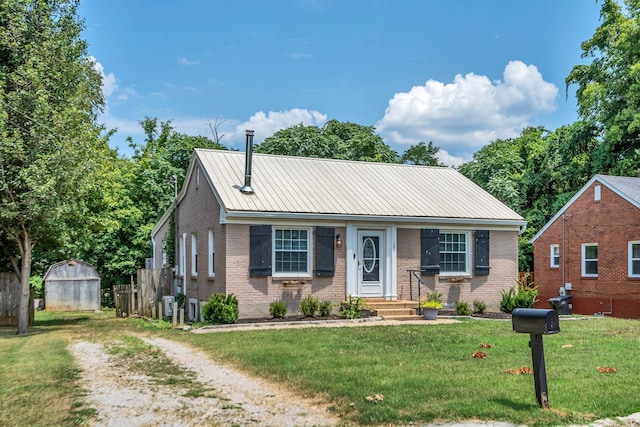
[(199, 212), (611, 223), (255, 293), (503, 250)]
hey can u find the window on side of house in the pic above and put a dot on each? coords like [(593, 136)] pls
[(194, 254), (590, 260), (212, 254), (454, 253), (554, 256), (291, 251), (634, 258)]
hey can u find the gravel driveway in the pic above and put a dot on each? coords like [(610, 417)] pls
[(123, 399)]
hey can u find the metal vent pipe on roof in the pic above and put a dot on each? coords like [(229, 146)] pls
[(247, 189)]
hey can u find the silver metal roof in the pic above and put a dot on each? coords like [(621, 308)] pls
[(300, 185)]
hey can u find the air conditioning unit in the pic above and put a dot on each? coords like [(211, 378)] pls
[(167, 305)]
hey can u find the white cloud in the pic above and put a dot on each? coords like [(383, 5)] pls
[(184, 61), (264, 125), (267, 124), (109, 84), (466, 114)]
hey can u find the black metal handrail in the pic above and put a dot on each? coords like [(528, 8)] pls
[(412, 274)]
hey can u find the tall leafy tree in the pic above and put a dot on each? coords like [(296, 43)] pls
[(335, 140), (421, 154), (608, 90), (140, 190), (50, 95)]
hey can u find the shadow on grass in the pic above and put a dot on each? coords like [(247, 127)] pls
[(61, 321), (46, 325)]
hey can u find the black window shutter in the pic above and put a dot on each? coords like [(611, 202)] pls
[(430, 251), (260, 250), (482, 252), (325, 264)]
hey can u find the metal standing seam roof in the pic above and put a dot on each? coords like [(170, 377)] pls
[(301, 185)]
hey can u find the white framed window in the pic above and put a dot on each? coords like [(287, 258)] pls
[(194, 254), (291, 251), (164, 251), (634, 258), (455, 252), (182, 258), (554, 256), (212, 254), (590, 260)]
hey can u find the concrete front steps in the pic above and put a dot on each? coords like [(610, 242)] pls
[(399, 310)]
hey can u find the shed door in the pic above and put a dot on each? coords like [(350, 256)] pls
[(370, 263)]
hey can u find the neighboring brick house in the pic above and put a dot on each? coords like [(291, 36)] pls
[(335, 228), (591, 248)]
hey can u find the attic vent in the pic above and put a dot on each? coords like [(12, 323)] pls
[(247, 189)]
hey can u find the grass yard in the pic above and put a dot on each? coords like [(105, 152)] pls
[(371, 375), (427, 373)]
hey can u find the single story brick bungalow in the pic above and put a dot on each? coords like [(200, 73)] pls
[(590, 249), (334, 228)]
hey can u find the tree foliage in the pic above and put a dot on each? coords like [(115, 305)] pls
[(421, 154), (50, 144), (141, 189), (335, 140), (608, 89)]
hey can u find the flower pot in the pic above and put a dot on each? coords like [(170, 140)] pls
[(430, 313)]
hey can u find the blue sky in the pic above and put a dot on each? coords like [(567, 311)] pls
[(457, 73)]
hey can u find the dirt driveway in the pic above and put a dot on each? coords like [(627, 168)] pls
[(125, 399)]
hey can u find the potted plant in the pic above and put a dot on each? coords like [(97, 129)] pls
[(430, 309)]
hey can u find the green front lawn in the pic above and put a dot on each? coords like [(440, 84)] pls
[(369, 375), (427, 373)]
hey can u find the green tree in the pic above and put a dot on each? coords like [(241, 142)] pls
[(139, 192), (50, 144), (421, 154), (335, 140), (608, 89)]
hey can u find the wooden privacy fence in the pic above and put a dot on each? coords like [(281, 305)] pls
[(152, 286), (124, 298), (10, 300)]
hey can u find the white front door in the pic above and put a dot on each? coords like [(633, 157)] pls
[(371, 263)]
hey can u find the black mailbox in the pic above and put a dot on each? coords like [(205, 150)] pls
[(535, 321)]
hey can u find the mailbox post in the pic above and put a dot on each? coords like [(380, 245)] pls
[(537, 322)]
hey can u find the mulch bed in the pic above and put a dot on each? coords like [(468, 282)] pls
[(298, 318), (301, 318)]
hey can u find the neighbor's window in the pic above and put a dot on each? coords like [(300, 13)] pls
[(634, 259), (590, 259), (454, 252), (555, 256), (194, 254), (291, 254), (212, 254)]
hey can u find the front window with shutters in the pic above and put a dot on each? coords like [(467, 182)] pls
[(291, 251), (454, 253)]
